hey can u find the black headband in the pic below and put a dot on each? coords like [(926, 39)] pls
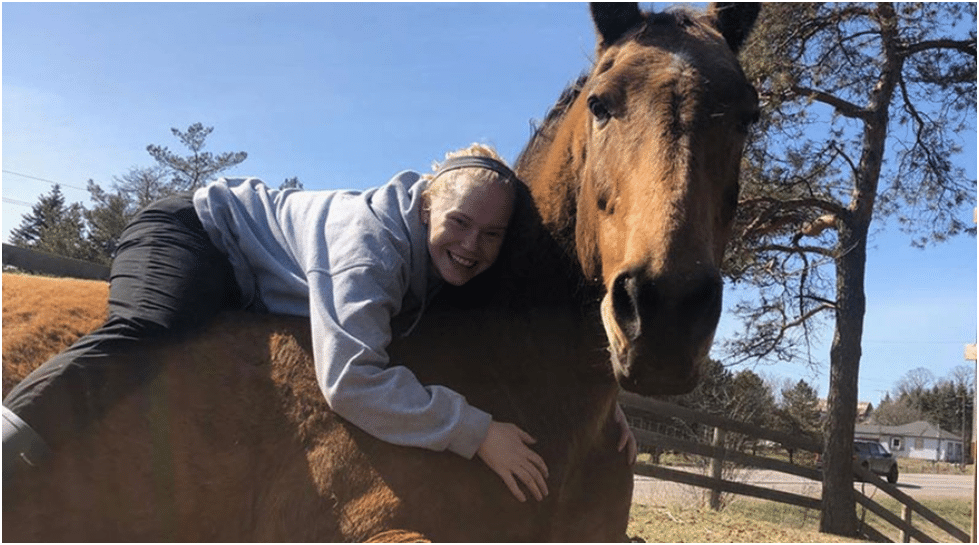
[(472, 161)]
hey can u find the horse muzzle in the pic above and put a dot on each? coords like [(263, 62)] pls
[(661, 329)]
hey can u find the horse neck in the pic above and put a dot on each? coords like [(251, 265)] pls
[(549, 169)]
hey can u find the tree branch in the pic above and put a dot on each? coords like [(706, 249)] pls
[(794, 204), (962, 46), (821, 300), (920, 128), (844, 108), (798, 249), (805, 317)]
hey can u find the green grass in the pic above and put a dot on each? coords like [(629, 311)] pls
[(680, 524), (910, 465), (746, 520), (957, 512)]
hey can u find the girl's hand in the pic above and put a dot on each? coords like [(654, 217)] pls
[(506, 452), (626, 437)]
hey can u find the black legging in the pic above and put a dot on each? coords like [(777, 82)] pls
[(167, 278)]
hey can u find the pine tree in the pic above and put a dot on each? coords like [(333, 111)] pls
[(55, 227), (193, 171), (862, 107), (106, 221), (140, 186), (799, 410)]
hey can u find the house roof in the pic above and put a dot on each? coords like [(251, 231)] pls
[(914, 429), (864, 408)]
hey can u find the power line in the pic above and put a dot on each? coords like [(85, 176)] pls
[(43, 180), (15, 201)]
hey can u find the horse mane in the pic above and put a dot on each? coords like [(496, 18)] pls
[(543, 132), (540, 140)]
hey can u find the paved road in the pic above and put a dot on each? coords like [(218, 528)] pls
[(651, 491)]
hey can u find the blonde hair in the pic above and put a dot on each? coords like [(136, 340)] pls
[(439, 184)]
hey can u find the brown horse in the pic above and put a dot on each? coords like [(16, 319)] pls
[(633, 178)]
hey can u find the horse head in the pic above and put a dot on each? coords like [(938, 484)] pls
[(646, 155)]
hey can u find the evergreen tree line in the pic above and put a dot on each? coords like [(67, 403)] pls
[(91, 234), (743, 395), (793, 407)]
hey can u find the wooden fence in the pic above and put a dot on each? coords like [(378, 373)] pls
[(45, 263), (637, 407)]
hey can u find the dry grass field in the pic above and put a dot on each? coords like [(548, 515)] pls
[(51, 321)]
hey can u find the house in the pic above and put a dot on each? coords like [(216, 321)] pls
[(915, 440), (864, 410)]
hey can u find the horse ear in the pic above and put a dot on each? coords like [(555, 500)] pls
[(613, 19), (735, 20)]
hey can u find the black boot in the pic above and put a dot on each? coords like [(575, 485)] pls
[(23, 448)]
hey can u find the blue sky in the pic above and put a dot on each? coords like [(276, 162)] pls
[(345, 95)]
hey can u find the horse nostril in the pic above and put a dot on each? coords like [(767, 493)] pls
[(694, 301), (625, 303), (705, 299)]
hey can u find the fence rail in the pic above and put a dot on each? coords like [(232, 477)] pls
[(45, 263), (650, 409)]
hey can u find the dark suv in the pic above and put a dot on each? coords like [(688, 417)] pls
[(872, 456)]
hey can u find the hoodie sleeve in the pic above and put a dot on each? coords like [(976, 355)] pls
[(350, 314)]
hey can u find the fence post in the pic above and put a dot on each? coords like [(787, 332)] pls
[(906, 515), (716, 464)]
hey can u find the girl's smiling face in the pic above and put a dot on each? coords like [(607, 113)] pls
[(466, 227)]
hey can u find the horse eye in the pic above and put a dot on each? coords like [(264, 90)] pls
[(604, 201), (599, 110)]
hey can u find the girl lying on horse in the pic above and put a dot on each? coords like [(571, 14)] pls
[(362, 265)]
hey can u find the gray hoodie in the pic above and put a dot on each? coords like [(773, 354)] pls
[(352, 261)]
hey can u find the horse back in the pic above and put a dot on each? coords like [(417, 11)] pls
[(233, 441)]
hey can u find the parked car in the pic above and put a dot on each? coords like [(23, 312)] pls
[(873, 457)]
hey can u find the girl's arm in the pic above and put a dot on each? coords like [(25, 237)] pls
[(350, 315)]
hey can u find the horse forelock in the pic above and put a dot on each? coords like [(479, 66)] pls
[(543, 132)]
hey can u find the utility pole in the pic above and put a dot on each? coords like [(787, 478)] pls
[(965, 453), (970, 355)]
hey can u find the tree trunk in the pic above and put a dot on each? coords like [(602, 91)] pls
[(839, 502)]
